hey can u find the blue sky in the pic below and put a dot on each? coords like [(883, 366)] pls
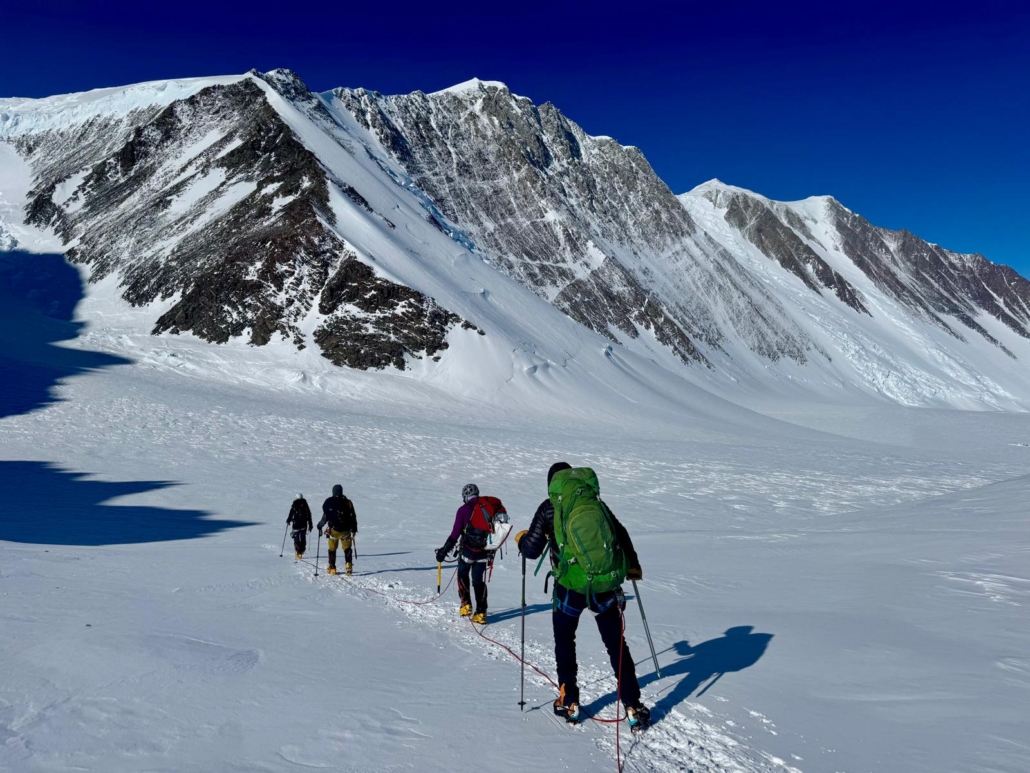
[(916, 115)]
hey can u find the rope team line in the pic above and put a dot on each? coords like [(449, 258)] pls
[(621, 713)]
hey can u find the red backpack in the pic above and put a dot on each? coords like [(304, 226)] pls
[(486, 515)]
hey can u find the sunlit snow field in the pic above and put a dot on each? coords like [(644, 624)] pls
[(830, 589)]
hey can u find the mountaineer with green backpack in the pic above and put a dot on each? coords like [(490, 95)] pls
[(591, 556)]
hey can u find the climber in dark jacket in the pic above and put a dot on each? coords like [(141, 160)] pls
[(341, 526), (300, 517), (569, 605)]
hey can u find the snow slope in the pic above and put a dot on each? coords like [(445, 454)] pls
[(835, 582), (843, 596), (453, 235), (890, 350)]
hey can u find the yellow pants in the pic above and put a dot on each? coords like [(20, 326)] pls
[(344, 538)]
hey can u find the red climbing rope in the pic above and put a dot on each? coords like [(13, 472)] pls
[(618, 691), (617, 721)]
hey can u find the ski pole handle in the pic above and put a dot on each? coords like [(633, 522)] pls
[(439, 574)]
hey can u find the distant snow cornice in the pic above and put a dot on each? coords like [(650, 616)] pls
[(716, 191), (471, 85), (20, 116)]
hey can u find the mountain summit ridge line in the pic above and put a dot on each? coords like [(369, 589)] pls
[(248, 206)]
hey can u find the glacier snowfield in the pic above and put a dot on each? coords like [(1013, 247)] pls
[(831, 588)]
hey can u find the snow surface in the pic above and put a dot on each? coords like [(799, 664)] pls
[(20, 116), (473, 84), (891, 353), (856, 571), (857, 575)]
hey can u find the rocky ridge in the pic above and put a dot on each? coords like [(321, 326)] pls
[(234, 209), (213, 203), (582, 221)]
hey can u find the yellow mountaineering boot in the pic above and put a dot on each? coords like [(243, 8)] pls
[(466, 610), (479, 617), (349, 567), (300, 556), (332, 570)]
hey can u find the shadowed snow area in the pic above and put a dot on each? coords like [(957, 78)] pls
[(44, 503), (38, 295), (834, 581), (809, 588)]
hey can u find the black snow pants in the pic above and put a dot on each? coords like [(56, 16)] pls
[(607, 608), (300, 540), (477, 569)]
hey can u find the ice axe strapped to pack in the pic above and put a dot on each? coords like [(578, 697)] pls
[(590, 557)]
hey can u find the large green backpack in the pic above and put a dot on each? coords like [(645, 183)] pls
[(590, 558)]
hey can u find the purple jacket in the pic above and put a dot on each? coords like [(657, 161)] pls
[(463, 518)]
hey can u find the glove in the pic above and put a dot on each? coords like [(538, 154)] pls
[(441, 554), (635, 574), (520, 535)]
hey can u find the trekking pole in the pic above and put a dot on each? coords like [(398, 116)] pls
[(636, 592), (354, 545), (439, 574), (318, 546), (522, 675), (283, 548)]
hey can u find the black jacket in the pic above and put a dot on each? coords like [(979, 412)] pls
[(541, 535), (300, 515), (339, 513)]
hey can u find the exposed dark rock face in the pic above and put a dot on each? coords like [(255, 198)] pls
[(762, 226), (386, 322), (215, 208), (932, 281), (582, 221), (214, 202)]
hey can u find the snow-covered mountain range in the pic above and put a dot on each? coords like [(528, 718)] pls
[(470, 228)]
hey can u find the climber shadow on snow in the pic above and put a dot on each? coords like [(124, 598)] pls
[(42, 502), (699, 667), (398, 569), (516, 612)]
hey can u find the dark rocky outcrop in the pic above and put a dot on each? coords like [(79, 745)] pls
[(933, 282), (151, 208), (582, 221), (757, 220), (385, 320)]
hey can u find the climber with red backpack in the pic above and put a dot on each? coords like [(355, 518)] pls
[(481, 524)]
